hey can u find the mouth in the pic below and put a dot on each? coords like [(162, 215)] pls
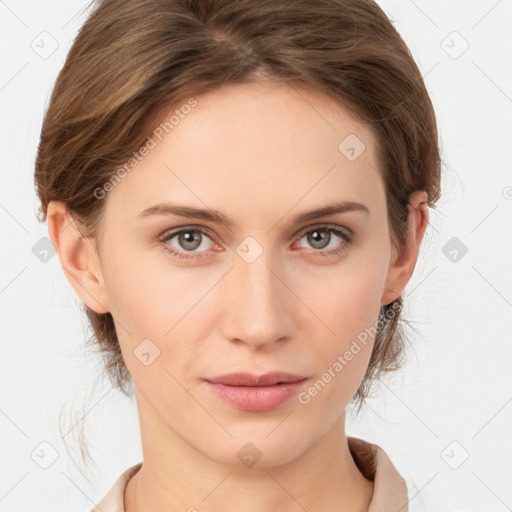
[(256, 393), (249, 379)]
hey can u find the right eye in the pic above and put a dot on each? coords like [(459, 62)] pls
[(188, 241)]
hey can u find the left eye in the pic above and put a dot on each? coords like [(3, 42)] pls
[(321, 237)]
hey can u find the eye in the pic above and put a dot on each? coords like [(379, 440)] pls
[(322, 237), (188, 240)]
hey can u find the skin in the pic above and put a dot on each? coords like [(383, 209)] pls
[(261, 154)]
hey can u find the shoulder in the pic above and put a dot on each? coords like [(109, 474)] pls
[(113, 501), (390, 490)]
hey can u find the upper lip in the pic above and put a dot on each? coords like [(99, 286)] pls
[(249, 379)]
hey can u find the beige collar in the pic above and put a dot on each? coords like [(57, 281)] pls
[(389, 488)]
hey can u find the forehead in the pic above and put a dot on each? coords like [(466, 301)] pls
[(263, 146)]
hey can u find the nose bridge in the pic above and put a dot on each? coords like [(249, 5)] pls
[(258, 309)]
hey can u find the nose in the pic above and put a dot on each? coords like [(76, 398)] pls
[(258, 305)]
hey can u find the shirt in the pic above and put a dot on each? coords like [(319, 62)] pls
[(389, 488)]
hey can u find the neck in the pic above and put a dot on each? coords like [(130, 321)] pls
[(178, 476)]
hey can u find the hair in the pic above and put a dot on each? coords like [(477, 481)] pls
[(133, 60)]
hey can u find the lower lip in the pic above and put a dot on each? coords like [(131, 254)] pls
[(256, 398)]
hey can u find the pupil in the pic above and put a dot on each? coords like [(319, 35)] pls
[(319, 236), (189, 237)]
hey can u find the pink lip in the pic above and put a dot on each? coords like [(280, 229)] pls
[(256, 393)]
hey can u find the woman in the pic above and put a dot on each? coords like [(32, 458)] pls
[(237, 192)]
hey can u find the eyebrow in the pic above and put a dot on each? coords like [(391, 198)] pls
[(217, 217)]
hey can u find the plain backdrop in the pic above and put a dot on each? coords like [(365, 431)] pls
[(443, 419)]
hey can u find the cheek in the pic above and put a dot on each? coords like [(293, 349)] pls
[(350, 301), (151, 300), (343, 357), (146, 295), (150, 304), (349, 304)]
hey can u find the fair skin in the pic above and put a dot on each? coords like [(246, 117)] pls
[(261, 154)]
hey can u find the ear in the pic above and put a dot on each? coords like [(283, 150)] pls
[(78, 257), (403, 261)]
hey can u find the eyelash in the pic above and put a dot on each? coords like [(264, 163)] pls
[(347, 237)]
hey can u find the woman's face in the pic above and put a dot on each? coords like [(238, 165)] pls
[(266, 293)]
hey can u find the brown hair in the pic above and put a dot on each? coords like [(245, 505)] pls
[(133, 60)]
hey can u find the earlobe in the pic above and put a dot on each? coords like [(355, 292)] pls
[(78, 257), (404, 260)]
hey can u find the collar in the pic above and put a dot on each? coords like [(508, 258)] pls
[(389, 488)]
